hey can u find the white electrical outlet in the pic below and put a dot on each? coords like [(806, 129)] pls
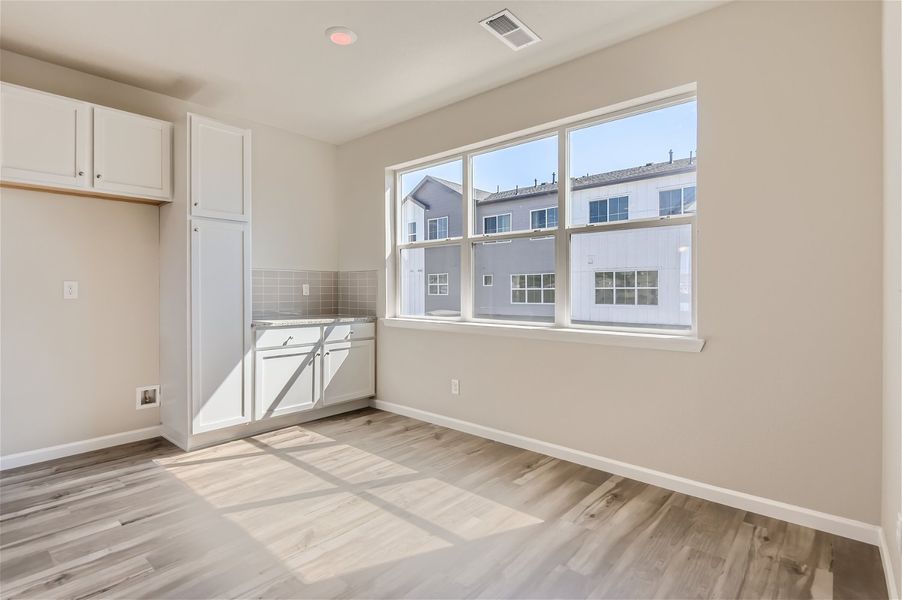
[(305, 289), (455, 386), (70, 290)]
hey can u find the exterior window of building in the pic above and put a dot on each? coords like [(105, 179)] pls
[(619, 208), (488, 280), (677, 202), (497, 223), (412, 232), (543, 218), (626, 287), (610, 209), (438, 284), (437, 229), (536, 288), (598, 211)]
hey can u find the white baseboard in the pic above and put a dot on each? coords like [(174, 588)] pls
[(849, 528), (30, 457), (888, 567)]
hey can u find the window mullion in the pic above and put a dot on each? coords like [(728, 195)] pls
[(466, 249), (562, 239)]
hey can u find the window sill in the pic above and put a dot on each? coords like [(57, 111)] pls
[(652, 341)]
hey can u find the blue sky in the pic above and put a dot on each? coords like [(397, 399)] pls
[(607, 147)]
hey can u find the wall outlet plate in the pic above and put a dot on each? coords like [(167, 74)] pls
[(305, 289), (70, 290), (455, 387), (147, 396)]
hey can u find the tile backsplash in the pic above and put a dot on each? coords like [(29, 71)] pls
[(331, 292)]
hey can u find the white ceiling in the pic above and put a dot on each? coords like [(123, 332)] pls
[(270, 61)]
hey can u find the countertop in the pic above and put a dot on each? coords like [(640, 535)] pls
[(272, 320)]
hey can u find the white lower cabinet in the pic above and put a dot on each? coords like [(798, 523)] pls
[(299, 368), (287, 380), (349, 371)]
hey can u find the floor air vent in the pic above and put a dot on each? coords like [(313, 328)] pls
[(510, 30)]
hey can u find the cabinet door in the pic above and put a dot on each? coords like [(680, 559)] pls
[(132, 154), (220, 170), (286, 380), (43, 138), (220, 324), (349, 371)]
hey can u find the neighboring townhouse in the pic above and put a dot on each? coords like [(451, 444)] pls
[(632, 276)]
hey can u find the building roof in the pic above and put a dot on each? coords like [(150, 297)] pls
[(647, 171)]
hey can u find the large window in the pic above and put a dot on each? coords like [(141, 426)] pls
[(622, 258)]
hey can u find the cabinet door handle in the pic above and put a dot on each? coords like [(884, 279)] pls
[(80, 173), (98, 176), (195, 204)]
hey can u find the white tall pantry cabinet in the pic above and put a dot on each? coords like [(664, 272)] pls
[(206, 372)]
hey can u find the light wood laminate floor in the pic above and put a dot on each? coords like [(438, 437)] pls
[(371, 504)]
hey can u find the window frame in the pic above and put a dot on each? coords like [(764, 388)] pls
[(635, 287), (544, 210), (437, 220), (541, 289), (510, 223), (562, 234), (607, 206), (682, 189), (438, 284), (414, 234)]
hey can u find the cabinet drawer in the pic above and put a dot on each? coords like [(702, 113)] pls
[(342, 332), (287, 336)]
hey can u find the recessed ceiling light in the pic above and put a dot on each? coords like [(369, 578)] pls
[(341, 36)]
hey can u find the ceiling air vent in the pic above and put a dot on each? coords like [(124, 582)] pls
[(510, 30)]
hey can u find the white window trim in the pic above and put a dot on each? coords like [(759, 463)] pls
[(511, 219), (437, 219), (438, 284), (562, 328)]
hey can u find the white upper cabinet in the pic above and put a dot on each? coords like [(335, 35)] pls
[(132, 154), (220, 170), (49, 142), (45, 139)]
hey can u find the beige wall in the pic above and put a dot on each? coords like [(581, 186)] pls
[(294, 226), (892, 279), (70, 367), (784, 402)]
